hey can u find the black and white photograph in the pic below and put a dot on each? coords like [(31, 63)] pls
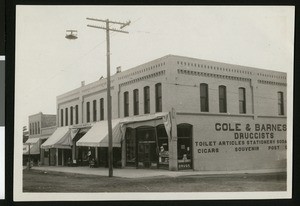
[(2, 127), (153, 102)]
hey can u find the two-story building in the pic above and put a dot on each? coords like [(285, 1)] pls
[(41, 126), (178, 113)]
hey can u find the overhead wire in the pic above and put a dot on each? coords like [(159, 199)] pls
[(69, 66)]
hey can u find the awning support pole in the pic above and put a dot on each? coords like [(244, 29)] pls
[(63, 157), (56, 159)]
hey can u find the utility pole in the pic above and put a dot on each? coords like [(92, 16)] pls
[(108, 29)]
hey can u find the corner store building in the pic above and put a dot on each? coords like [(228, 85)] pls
[(206, 115)]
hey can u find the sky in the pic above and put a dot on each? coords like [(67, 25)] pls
[(48, 64)]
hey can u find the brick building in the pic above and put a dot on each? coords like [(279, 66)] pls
[(41, 126), (178, 113)]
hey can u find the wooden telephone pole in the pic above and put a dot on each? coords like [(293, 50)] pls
[(108, 29)]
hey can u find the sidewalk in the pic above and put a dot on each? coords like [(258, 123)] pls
[(141, 173)]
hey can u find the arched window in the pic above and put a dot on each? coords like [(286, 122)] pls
[(61, 117), (146, 100), (222, 99), (280, 103), (94, 110), (126, 104), (242, 100), (88, 112), (67, 115), (204, 97), (101, 109), (76, 114), (136, 102), (158, 98), (71, 115)]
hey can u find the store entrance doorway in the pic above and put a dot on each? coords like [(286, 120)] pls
[(147, 148)]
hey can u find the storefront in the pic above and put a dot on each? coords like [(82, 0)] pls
[(31, 150), (147, 147), (93, 144), (59, 145)]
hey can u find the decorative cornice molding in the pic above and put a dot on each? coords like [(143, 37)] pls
[(271, 82), (205, 74), (156, 74)]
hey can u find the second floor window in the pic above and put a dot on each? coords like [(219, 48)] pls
[(242, 100), (39, 128), (158, 98), (136, 102), (204, 97), (61, 117), (222, 99), (126, 104), (71, 115), (280, 103), (146, 100), (76, 114), (88, 112), (94, 110), (66, 116), (101, 109)]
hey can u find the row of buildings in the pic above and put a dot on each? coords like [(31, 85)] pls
[(172, 113)]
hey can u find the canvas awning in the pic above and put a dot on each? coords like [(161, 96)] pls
[(33, 140), (33, 143), (61, 138), (148, 120), (97, 136)]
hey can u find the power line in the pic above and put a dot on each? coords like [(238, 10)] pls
[(69, 66)]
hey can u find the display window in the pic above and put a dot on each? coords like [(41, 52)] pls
[(184, 146), (163, 147), (130, 147)]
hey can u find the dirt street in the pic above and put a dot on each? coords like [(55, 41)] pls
[(40, 181)]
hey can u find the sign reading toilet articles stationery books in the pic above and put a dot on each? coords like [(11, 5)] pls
[(244, 137)]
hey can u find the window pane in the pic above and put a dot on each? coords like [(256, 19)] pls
[(280, 103), (204, 97), (101, 109), (88, 112), (136, 101), (126, 104), (67, 117), (76, 114), (158, 98), (242, 100), (71, 115), (61, 117), (241, 94), (222, 99), (94, 110), (146, 100)]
